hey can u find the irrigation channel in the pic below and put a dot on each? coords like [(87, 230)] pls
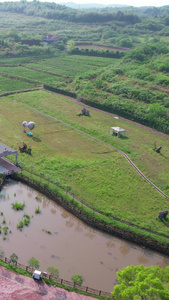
[(57, 238)]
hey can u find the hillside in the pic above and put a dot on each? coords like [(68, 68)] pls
[(74, 154), (129, 79)]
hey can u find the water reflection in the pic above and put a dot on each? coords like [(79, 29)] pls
[(110, 244), (65, 214), (124, 249), (142, 259), (79, 227), (57, 238)]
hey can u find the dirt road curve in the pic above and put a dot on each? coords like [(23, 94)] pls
[(18, 287)]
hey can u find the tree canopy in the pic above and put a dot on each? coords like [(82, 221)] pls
[(142, 283)]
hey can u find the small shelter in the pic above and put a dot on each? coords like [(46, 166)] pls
[(117, 131), (37, 275), (50, 39), (5, 151), (6, 166)]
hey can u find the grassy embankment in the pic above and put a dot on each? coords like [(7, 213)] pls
[(17, 270), (93, 172)]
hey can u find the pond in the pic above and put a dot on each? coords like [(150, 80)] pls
[(57, 238)]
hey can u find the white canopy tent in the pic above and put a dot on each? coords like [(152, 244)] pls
[(117, 131)]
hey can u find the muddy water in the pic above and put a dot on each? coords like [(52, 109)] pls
[(72, 246)]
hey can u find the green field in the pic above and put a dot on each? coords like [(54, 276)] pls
[(11, 84), (90, 170), (56, 71)]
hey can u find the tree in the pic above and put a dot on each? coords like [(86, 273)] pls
[(77, 279), (14, 258), (33, 263), (13, 33), (53, 271), (139, 282), (70, 45)]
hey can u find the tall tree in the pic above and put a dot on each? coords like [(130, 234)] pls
[(142, 283)]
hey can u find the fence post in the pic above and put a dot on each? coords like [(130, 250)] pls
[(5, 259), (100, 293), (61, 281), (87, 289)]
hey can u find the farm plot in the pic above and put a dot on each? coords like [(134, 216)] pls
[(70, 65), (31, 75), (86, 60), (14, 61), (100, 47), (8, 84), (59, 69), (94, 172)]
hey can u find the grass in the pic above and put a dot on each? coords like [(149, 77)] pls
[(26, 220), (20, 225), (37, 210), (18, 206), (92, 171), (5, 230), (8, 84), (139, 143), (23, 272), (34, 76)]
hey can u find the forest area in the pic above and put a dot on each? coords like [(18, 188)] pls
[(134, 80)]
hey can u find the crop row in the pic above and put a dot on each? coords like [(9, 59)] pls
[(9, 84), (96, 61), (31, 74), (60, 69)]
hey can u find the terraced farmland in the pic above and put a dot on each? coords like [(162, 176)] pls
[(55, 71), (11, 84)]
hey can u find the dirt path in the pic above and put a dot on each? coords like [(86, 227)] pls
[(19, 287)]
